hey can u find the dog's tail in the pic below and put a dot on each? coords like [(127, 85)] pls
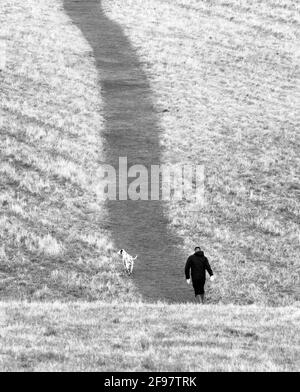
[(134, 258)]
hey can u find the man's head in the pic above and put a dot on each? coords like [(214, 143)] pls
[(197, 249)]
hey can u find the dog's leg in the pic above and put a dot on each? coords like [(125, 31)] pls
[(132, 262), (127, 267), (131, 267)]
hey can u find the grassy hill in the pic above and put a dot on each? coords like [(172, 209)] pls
[(229, 89), (54, 241), (226, 86), (225, 94)]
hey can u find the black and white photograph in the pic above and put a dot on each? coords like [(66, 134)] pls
[(149, 189)]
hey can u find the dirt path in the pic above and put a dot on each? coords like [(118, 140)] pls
[(132, 131)]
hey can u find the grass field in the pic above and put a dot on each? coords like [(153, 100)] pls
[(140, 337), (54, 242), (227, 75), (55, 232), (219, 84)]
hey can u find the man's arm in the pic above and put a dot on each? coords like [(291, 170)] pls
[(208, 268), (187, 268)]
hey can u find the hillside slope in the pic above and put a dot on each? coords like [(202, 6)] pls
[(225, 91), (225, 83), (54, 241)]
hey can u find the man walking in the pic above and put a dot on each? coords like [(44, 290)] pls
[(198, 264)]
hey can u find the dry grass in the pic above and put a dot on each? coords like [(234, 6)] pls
[(226, 75), (54, 243), (226, 84), (139, 337)]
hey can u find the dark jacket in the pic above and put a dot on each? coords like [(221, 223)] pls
[(197, 264)]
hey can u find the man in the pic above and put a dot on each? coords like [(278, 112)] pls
[(198, 265)]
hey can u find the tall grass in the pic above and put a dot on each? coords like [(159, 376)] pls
[(140, 337)]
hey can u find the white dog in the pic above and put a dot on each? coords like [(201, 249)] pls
[(128, 261)]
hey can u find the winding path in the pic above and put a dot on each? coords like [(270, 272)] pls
[(132, 130)]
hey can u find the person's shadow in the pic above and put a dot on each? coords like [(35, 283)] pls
[(132, 131)]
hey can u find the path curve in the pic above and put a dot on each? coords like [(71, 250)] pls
[(132, 130)]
